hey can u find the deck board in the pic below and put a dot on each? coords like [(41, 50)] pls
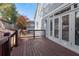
[(40, 47)]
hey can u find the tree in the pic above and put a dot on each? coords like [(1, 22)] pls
[(21, 22), (9, 12)]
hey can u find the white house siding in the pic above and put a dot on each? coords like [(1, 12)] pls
[(68, 44), (38, 20)]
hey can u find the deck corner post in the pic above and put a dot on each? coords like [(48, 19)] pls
[(16, 37)]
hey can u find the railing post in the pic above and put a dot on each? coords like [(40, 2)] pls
[(16, 38), (44, 33), (33, 34)]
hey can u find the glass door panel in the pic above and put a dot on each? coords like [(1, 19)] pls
[(65, 27)]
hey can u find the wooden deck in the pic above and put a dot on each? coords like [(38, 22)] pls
[(40, 47)]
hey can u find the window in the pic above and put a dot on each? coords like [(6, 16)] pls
[(56, 30), (65, 27), (75, 5), (77, 28), (50, 27)]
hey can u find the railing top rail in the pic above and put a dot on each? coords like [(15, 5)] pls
[(12, 34), (3, 40), (36, 30)]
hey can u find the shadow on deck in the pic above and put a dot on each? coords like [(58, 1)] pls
[(40, 47)]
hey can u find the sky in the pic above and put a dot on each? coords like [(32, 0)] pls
[(26, 9)]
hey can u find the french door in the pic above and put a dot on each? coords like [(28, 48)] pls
[(56, 27), (65, 27), (77, 28)]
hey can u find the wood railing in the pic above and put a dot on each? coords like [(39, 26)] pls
[(13, 38), (32, 34), (35, 31), (7, 43)]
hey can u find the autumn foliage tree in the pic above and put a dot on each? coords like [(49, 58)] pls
[(21, 22)]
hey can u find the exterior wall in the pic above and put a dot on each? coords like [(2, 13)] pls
[(68, 44), (47, 12), (50, 7), (38, 19), (6, 25), (1, 25)]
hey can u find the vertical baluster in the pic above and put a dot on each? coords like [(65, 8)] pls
[(16, 38)]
